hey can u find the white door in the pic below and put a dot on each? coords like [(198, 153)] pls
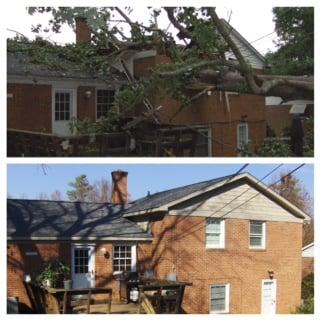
[(63, 109), (269, 296), (83, 266)]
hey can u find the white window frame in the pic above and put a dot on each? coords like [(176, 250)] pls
[(241, 125), (209, 140), (133, 256), (263, 240), (221, 244), (227, 298), (96, 97)]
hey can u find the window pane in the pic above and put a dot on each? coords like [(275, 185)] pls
[(256, 228), (213, 239), (218, 298), (255, 241)]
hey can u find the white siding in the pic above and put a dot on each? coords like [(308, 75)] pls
[(224, 204), (249, 55), (308, 252)]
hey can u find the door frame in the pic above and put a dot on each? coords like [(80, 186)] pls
[(274, 281), (91, 266), (65, 88)]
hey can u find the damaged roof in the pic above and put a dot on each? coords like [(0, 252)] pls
[(64, 220), (21, 63)]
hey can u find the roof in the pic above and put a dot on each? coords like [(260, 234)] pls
[(162, 201), (43, 219), (243, 45), (21, 63), (308, 246), (162, 198), (64, 220)]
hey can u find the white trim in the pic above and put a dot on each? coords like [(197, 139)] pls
[(92, 258), (207, 130), (227, 298), (242, 125), (56, 82), (77, 239), (133, 256), (259, 185), (222, 238), (308, 246), (274, 281), (74, 104), (263, 241), (110, 88)]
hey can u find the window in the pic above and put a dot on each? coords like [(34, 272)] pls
[(62, 104), (219, 298), (243, 134), (124, 258), (81, 260), (257, 234), (203, 143), (215, 233), (105, 100)]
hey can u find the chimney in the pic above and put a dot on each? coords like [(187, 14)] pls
[(83, 31), (119, 187)]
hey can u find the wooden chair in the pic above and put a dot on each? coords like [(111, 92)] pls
[(36, 297), (145, 304)]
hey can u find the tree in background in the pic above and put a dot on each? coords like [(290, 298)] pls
[(292, 189), (101, 192), (295, 29), (81, 189), (56, 195)]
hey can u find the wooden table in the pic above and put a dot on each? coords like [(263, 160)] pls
[(64, 296), (171, 301)]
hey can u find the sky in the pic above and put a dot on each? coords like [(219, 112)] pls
[(240, 17), (29, 180)]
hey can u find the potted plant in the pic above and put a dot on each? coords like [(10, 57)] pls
[(54, 273)]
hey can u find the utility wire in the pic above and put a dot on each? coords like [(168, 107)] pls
[(271, 185)]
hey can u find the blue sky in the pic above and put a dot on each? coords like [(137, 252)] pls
[(29, 180)]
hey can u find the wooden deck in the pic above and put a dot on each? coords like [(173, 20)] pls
[(117, 307)]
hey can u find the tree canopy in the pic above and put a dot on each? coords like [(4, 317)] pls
[(295, 29), (201, 62)]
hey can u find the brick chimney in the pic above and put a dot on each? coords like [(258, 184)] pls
[(119, 187), (83, 31)]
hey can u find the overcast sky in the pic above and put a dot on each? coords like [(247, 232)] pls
[(253, 24)]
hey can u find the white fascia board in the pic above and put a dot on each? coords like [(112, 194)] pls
[(77, 239), (258, 184), (58, 82)]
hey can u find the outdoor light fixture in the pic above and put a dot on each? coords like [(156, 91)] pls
[(104, 252), (88, 94), (271, 274)]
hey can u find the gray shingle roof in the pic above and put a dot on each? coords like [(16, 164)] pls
[(66, 220), (161, 198), (20, 64)]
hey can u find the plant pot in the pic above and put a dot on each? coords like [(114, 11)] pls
[(47, 283), (67, 284)]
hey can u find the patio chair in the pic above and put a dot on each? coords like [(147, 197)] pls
[(36, 297)]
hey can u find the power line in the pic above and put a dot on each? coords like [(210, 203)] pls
[(271, 185)]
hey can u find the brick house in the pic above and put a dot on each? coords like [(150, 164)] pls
[(307, 259), (42, 100), (237, 241)]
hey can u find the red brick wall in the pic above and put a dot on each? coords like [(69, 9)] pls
[(30, 107), (19, 264), (179, 245), (278, 118), (307, 266), (86, 106), (182, 249), (211, 111)]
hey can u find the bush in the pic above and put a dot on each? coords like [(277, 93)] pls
[(274, 148), (307, 294)]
